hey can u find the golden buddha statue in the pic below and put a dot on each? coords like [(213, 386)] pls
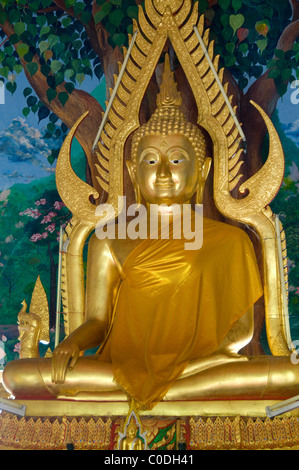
[(170, 322), (131, 442), (132, 438)]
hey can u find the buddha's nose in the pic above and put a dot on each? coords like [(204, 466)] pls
[(163, 171)]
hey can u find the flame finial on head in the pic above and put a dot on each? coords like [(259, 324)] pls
[(169, 94)]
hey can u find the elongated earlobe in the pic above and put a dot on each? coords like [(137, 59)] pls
[(135, 184), (202, 178)]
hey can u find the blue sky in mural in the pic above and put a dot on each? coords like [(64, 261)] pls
[(289, 113), (23, 151)]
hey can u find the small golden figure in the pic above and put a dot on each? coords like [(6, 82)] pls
[(130, 439), (34, 326)]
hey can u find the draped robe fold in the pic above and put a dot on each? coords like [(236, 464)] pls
[(175, 305)]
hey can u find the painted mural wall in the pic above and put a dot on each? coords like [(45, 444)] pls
[(31, 211)]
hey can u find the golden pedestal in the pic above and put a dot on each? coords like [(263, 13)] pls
[(191, 425)]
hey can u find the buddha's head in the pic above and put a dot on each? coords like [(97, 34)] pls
[(169, 154)]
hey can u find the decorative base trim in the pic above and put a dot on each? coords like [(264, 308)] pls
[(243, 433), (163, 433), (56, 434)]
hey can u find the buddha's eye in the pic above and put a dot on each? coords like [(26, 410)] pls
[(176, 157), (151, 159)]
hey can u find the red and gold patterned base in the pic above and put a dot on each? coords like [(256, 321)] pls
[(193, 433)]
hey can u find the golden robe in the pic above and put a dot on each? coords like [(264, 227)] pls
[(176, 305)]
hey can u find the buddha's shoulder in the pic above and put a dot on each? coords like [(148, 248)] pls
[(217, 228), (100, 248), (98, 242), (116, 248)]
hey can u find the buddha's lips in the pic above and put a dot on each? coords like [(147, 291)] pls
[(165, 185)]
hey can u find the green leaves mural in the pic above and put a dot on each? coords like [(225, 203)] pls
[(58, 32)]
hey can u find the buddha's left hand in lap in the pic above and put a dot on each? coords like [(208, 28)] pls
[(66, 354)]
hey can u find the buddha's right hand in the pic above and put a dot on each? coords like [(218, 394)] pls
[(64, 357)]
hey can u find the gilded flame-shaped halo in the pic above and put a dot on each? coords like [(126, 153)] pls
[(161, 5), (174, 20)]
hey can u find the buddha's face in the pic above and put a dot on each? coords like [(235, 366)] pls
[(167, 169), (131, 431)]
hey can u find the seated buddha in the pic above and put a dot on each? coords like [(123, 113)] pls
[(131, 440), (169, 322)]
